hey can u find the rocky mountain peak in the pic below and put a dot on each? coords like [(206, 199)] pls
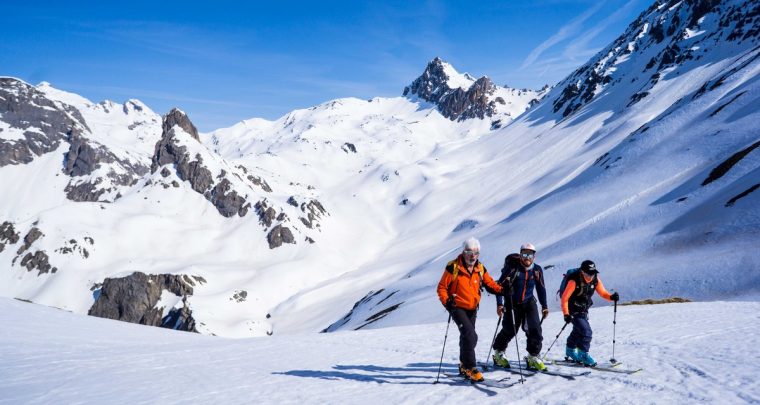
[(458, 96), (178, 117)]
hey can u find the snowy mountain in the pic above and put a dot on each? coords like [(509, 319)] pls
[(342, 216)]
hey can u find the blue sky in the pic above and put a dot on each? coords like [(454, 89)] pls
[(223, 62)]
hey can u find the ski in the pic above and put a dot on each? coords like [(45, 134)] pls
[(611, 368), (487, 382), (530, 372)]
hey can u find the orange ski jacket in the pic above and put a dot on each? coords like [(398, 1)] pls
[(465, 287)]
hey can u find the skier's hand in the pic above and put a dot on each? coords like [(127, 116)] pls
[(500, 310), (544, 313), (568, 318), (450, 302), (615, 297)]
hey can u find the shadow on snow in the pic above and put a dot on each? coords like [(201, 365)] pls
[(411, 374)]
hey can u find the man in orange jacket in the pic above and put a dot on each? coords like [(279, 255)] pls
[(576, 301), (459, 291)]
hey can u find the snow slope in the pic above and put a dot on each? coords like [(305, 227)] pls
[(52, 356)]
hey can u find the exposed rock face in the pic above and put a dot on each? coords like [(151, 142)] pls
[(454, 104), (313, 210), (279, 235), (83, 158), (29, 239), (348, 147), (239, 296), (266, 213), (134, 298), (8, 235), (44, 123), (227, 201), (255, 180), (168, 151), (664, 30), (38, 261), (178, 117)]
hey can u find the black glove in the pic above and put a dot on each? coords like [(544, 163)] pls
[(450, 303), (568, 318), (615, 297)]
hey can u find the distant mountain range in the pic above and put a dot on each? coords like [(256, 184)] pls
[(342, 216)]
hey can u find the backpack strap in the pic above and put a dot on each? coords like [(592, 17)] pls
[(455, 272)]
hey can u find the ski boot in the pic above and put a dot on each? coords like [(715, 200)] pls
[(586, 359), (571, 354), (461, 369), (535, 363), (499, 360), (473, 375)]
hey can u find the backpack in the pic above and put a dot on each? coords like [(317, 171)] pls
[(565, 278)]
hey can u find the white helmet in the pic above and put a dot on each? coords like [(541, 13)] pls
[(528, 246)]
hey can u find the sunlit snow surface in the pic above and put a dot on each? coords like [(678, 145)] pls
[(690, 353)]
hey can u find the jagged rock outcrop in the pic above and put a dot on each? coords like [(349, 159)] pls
[(8, 235), (279, 235), (266, 213), (29, 239), (38, 261), (82, 159), (178, 117), (255, 180), (134, 299), (40, 123), (170, 151), (454, 103), (313, 210)]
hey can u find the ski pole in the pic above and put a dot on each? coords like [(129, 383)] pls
[(614, 324), (555, 339), (444, 348), (514, 329), (485, 367)]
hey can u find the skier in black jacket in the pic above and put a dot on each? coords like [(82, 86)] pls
[(518, 277)]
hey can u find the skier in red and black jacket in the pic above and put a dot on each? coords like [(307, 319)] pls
[(576, 301)]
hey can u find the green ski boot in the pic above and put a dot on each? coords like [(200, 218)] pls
[(535, 363), (499, 360)]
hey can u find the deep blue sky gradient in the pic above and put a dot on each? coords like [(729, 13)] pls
[(223, 62)]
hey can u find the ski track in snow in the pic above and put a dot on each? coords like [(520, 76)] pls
[(691, 353)]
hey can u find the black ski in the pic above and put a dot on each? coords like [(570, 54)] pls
[(487, 382), (611, 368)]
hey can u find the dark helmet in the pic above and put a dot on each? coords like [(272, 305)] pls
[(589, 267)]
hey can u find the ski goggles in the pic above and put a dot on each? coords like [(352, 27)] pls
[(528, 255), (471, 252)]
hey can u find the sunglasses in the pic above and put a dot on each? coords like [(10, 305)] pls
[(471, 252), (527, 255)]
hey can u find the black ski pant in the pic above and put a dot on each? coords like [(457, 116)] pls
[(580, 337), (465, 321), (523, 313)]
